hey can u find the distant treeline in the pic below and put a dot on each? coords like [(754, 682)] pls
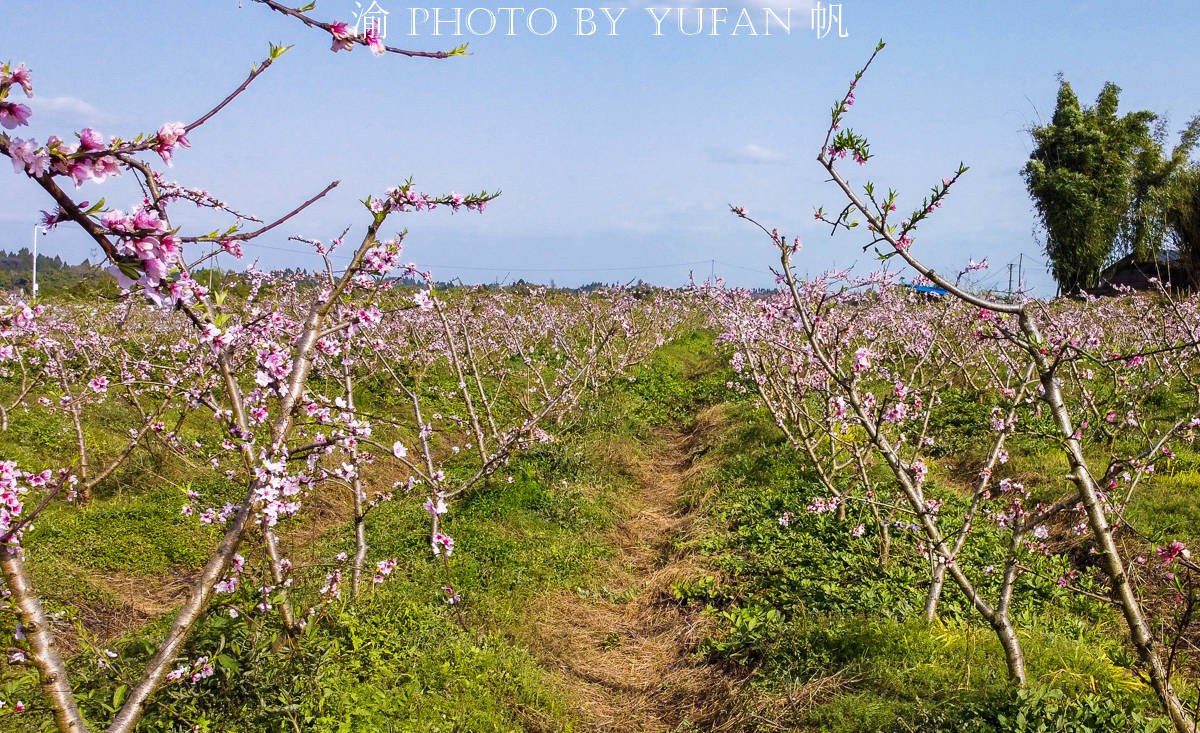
[(56, 277), (53, 275)]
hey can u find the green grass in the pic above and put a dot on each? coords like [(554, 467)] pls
[(809, 603), (678, 379), (1167, 507), (395, 660), (138, 535), (803, 607)]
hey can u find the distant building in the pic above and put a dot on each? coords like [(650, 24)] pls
[(1130, 273)]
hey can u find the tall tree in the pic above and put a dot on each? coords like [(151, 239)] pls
[(1079, 176), (1155, 191), (1183, 217)]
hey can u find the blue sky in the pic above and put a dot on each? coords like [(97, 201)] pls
[(617, 156)]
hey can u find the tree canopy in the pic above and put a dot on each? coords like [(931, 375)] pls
[(1103, 184)]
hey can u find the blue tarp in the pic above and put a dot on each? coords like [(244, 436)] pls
[(925, 289)]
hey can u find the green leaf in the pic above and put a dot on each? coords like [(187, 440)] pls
[(228, 664)]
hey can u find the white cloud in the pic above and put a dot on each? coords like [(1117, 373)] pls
[(750, 153), (65, 106)]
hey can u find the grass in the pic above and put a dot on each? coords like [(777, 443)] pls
[(395, 660), (1168, 507), (806, 611), (809, 603)]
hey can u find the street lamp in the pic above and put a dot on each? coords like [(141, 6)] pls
[(43, 230)]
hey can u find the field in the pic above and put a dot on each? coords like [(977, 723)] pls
[(660, 563)]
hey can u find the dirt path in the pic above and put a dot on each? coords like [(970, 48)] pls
[(626, 655)]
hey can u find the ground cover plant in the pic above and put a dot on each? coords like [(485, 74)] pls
[(333, 500)]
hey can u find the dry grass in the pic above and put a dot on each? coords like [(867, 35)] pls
[(626, 657), (136, 601)]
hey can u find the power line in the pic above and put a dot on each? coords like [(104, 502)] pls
[(759, 270)]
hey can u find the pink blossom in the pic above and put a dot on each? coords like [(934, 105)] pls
[(343, 37), (27, 158), (104, 167), (203, 671), (919, 471), (13, 115), (170, 135), (20, 76), (80, 171), (442, 543), (91, 140), (1168, 553), (862, 359), (436, 509), (374, 42)]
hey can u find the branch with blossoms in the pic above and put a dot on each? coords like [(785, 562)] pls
[(1032, 333), (768, 359), (414, 343), (142, 244), (854, 363), (848, 374), (18, 322), (258, 418), (345, 38)]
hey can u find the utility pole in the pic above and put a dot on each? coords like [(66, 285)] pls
[(34, 288), (1020, 277), (1010, 268), (712, 272)]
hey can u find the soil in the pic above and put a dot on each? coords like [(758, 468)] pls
[(626, 656)]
